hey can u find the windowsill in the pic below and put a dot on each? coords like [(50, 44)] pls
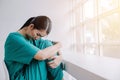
[(105, 67)]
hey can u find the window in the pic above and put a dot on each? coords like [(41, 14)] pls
[(88, 10), (106, 5), (96, 27)]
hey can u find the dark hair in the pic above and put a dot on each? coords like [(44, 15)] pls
[(40, 23)]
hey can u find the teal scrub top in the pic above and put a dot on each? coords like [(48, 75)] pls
[(21, 65)]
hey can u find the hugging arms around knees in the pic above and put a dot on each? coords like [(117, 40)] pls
[(27, 54)]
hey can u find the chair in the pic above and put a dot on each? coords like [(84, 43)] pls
[(3, 71)]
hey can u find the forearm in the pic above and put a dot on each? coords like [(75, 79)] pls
[(48, 52)]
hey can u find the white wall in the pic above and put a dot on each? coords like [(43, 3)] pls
[(13, 14)]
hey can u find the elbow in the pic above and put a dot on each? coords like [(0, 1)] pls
[(40, 56)]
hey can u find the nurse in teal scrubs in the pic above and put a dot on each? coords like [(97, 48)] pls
[(28, 56)]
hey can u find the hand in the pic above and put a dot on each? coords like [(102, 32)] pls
[(59, 44), (56, 60), (54, 42)]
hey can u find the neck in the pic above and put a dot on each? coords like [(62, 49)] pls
[(23, 32)]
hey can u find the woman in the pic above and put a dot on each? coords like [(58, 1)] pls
[(24, 58)]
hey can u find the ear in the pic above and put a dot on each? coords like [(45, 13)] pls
[(31, 26)]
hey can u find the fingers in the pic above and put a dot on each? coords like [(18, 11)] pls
[(52, 64), (56, 60), (52, 58), (54, 42)]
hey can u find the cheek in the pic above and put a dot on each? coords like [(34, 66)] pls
[(32, 34)]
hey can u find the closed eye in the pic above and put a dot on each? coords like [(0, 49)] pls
[(39, 35)]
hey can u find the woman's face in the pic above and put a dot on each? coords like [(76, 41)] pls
[(36, 34)]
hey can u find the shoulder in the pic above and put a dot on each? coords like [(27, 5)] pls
[(14, 38), (11, 36), (14, 35)]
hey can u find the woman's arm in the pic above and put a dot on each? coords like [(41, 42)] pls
[(56, 60), (48, 52)]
